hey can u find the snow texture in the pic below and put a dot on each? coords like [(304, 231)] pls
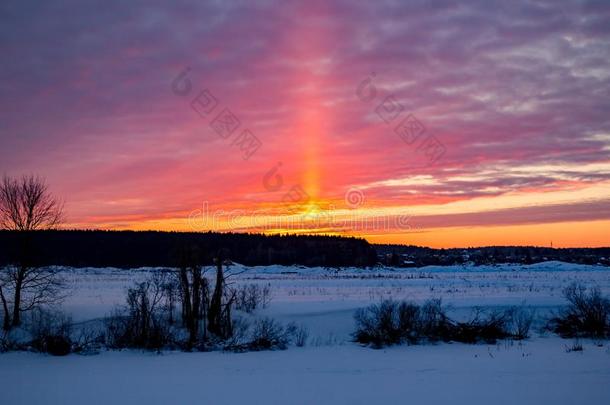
[(332, 369)]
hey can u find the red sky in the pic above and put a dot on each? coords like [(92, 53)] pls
[(432, 123)]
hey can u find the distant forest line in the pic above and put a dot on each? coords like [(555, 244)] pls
[(131, 249), (128, 249), (416, 256)]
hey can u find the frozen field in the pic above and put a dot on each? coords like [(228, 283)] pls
[(324, 300), (332, 369), (540, 372)]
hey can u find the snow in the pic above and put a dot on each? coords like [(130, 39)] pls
[(332, 369), (534, 373)]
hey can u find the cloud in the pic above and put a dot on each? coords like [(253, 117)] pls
[(85, 99)]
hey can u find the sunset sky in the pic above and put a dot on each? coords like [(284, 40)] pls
[(434, 123)]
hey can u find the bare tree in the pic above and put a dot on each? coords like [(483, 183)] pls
[(194, 291), (222, 300), (203, 309), (26, 205)]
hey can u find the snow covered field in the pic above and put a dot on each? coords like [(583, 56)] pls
[(332, 369), (537, 373)]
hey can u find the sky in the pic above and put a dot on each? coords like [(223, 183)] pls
[(434, 123)]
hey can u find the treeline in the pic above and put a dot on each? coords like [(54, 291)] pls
[(415, 256), (128, 249)]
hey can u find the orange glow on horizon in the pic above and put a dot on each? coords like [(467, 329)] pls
[(559, 235)]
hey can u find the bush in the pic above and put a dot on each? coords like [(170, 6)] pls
[(520, 322), (409, 321), (587, 315), (434, 324), (88, 340), (57, 345), (264, 334), (143, 323), (300, 336), (388, 323), (576, 347), (123, 330), (50, 332), (378, 325), (250, 297), (482, 328), (6, 344), (269, 334), (391, 322), (240, 338)]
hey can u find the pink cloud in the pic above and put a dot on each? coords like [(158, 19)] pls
[(87, 100)]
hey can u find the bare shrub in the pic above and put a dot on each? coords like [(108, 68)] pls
[(116, 333), (264, 334), (482, 327), (143, 323), (88, 340), (240, 339), (390, 323), (520, 322), (587, 315), (575, 347), (50, 332), (7, 342), (250, 297), (301, 336), (329, 340), (378, 324), (409, 316), (268, 334), (435, 325)]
